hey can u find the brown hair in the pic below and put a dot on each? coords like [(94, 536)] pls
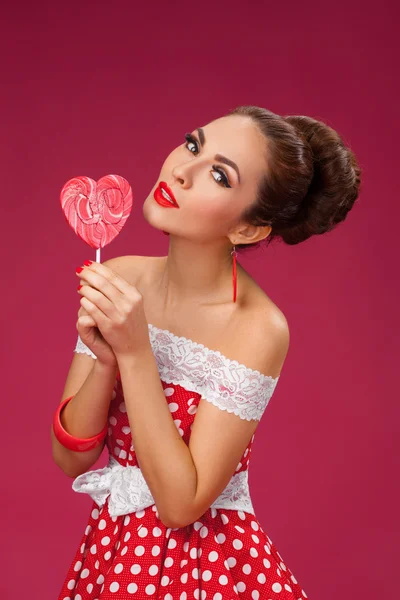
[(311, 182)]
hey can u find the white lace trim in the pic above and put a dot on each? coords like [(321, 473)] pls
[(127, 490), (224, 382), (81, 348)]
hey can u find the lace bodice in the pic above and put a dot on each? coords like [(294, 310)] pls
[(189, 372), (224, 382)]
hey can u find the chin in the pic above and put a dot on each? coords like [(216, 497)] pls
[(152, 215)]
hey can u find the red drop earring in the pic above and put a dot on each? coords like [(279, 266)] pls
[(234, 274)]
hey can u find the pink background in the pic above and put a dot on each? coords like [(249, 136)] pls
[(91, 88)]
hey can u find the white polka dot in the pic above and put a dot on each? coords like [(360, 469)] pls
[(267, 564), (127, 520), (71, 584), (150, 589), (220, 538), (132, 588), (77, 565), (126, 430), (112, 420), (143, 531), (246, 569), (127, 536), (100, 579), (114, 587), (255, 595), (155, 550), (168, 562), (240, 529), (135, 569), (184, 577), (224, 519), (276, 587), (206, 575), (85, 573), (241, 586), (255, 538), (204, 532), (153, 570), (156, 532), (107, 555), (261, 578), (169, 391), (102, 524), (139, 550), (89, 588), (164, 580), (253, 552), (231, 562), (88, 529), (287, 587), (95, 513), (118, 568), (213, 556), (237, 544), (105, 540), (93, 549), (122, 407), (223, 579), (172, 543)]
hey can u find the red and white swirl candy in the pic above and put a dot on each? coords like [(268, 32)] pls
[(97, 211)]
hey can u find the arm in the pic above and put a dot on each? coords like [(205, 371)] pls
[(86, 414), (179, 476)]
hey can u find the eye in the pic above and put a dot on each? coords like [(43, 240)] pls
[(190, 139)]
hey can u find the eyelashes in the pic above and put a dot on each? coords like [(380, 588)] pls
[(190, 139)]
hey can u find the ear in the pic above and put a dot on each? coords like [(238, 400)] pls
[(249, 234)]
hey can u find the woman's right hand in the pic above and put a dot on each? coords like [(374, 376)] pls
[(91, 336)]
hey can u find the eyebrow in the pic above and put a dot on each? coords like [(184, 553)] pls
[(219, 157)]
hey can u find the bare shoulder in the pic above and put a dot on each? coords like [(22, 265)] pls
[(266, 330), (131, 267)]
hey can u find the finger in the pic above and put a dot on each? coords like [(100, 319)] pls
[(98, 282), (108, 275), (87, 321), (94, 311), (100, 301)]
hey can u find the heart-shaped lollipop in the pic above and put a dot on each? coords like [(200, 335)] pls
[(97, 211)]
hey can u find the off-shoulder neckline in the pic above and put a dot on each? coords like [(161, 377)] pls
[(229, 361)]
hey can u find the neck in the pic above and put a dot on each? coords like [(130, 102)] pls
[(196, 274)]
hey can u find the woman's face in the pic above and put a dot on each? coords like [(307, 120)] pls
[(211, 194)]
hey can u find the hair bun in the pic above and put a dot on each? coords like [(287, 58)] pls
[(335, 182)]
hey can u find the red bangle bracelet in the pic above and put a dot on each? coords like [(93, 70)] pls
[(71, 442)]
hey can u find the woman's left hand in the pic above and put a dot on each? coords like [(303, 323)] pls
[(117, 308)]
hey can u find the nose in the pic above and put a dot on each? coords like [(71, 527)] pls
[(181, 175)]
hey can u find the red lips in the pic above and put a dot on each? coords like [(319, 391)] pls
[(161, 199)]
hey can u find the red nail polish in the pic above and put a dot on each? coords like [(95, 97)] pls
[(79, 269), (87, 262), (79, 287)]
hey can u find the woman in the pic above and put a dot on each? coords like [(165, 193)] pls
[(188, 348)]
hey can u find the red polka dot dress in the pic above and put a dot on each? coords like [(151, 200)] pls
[(126, 551)]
